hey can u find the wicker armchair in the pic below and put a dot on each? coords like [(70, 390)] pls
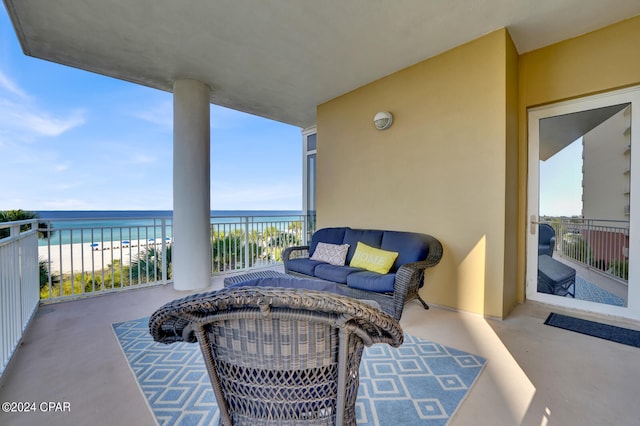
[(546, 239), (277, 355)]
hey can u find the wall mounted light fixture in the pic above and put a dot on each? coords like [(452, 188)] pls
[(383, 120)]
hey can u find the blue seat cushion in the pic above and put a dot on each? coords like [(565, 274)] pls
[(372, 281), (293, 282), (334, 273), (304, 266), (545, 249), (371, 238), (410, 246), (326, 235)]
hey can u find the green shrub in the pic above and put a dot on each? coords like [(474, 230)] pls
[(575, 247), (620, 268), (228, 250)]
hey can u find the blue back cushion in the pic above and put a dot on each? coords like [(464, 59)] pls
[(371, 238), (411, 247), (326, 235)]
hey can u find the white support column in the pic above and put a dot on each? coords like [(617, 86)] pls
[(191, 257)]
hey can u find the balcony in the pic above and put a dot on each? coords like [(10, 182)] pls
[(536, 375), (89, 256), (599, 252), (82, 257)]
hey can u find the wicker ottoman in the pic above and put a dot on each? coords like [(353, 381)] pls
[(555, 277), (235, 279)]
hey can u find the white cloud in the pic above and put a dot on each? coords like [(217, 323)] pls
[(22, 119), (46, 125), (143, 159), (26, 121), (160, 114), (7, 84), (14, 202), (62, 186)]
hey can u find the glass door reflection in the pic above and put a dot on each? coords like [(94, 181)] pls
[(584, 204)]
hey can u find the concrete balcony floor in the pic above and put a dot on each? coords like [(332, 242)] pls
[(536, 374)]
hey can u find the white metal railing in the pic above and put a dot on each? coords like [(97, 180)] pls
[(92, 256), (73, 261), (18, 283), (600, 245), (113, 255), (251, 241)]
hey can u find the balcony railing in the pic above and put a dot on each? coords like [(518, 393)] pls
[(78, 258), (239, 243), (92, 256), (600, 245), (104, 255), (18, 292)]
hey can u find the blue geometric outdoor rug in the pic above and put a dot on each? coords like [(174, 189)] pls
[(420, 383), (592, 293)]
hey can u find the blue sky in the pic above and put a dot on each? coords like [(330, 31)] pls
[(561, 182), (73, 140)]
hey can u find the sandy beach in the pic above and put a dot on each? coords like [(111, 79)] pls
[(83, 257)]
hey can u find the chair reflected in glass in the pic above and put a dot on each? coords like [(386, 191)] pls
[(277, 355), (546, 239)]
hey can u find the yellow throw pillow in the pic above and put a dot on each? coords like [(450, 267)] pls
[(373, 259)]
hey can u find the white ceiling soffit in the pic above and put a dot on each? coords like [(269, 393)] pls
[(281, 58), (556, 133)]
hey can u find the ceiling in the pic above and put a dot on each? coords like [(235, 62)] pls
[(281, 58), (556, 133)]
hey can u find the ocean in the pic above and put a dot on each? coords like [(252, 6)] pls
[(95, 226)]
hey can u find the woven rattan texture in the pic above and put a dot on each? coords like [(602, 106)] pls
[(279, 356)]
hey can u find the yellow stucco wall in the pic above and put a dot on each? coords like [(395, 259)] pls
[(454, 163), (513, 236), (596, 62), (440, 169)]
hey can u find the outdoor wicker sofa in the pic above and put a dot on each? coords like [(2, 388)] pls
[(278, 355), (392, 290)]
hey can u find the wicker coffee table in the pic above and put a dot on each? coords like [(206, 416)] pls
[(235, 279)]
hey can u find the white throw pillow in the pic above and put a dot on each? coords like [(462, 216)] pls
[(335, 254)]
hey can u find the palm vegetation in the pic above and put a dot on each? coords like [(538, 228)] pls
[(16, 215), (147, 266)]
